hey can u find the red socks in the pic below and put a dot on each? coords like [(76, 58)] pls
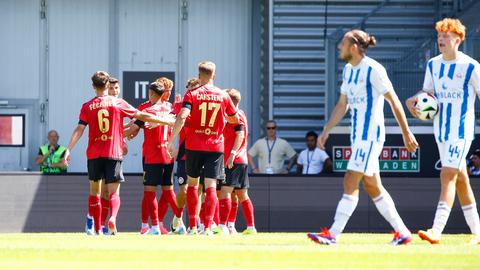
[(202, 213), (172, 200), (151, 207), (162, 207), (216, 216), (105, 208), (225, 208), (114, 205), (95, 210), (192, 201), (210, 204), (232, 217), (145, 210), (247, 208)]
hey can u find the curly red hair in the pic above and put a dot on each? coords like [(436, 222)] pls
[(451, 25)]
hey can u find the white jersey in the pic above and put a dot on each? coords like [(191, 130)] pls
[(364, 85), (455, 84)]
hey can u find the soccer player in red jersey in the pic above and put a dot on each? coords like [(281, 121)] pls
[(157, 164), (209, 108), (178, 226), (113, 90), (104, 114), (236, 162)]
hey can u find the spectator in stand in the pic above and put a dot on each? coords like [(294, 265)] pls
[(474, 168), (271, 152), (51, 154), (313, 160)]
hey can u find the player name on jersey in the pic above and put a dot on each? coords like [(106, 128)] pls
[(392, 159)]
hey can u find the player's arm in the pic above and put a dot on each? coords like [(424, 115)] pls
[(239, 136), (327, 166), (76, 135), (233, 119), (177, 127), (337, 115), (397, 109), (132, 131), (168, 120)]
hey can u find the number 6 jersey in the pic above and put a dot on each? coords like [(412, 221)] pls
[(105, 116), (209, 107)]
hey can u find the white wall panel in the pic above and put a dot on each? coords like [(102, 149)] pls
[(220, 31), (19, 49), (148, 41), (78, 38)]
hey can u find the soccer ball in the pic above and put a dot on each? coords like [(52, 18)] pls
[(427, 106)]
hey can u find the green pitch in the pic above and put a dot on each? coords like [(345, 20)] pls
[(262, 251)]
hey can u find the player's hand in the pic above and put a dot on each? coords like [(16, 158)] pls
[(411, 106), (178, 98), (230, 161), (125, 150), (149, 125), (322, 139), (410, 142), (170, 149), (66, 158)]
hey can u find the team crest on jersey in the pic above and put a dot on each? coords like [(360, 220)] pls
[(444, 86), (459, 75)]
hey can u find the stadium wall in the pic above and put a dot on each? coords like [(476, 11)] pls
[(53, 47), (32, 202)]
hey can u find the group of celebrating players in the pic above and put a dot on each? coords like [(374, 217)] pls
[(211, 155), (213, 141)]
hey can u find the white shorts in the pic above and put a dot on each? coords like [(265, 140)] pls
[(364, 157), (453, 154)]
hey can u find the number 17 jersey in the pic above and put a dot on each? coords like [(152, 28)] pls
[(209, 107)]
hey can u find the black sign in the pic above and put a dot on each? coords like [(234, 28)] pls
[(135, 85)]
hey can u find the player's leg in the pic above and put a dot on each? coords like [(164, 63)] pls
[(213, 169), (468, 203), (385, 205), (345, 208), (194, 163), (105, 203), (247, 209), (448, 179), (95, 174), (232, 217), (225, 204), (181, 196), (149, 207), (216, 214), (94, 207), (113, 178)]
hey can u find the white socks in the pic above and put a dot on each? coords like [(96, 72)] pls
[(386, 207), (471, 216), (345, 209), (441, 217)]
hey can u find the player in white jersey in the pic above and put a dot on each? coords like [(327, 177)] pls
[(364, 88), (454, 79)]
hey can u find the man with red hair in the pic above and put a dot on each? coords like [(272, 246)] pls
[(454, 78)]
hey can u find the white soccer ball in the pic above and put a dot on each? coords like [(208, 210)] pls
[(427, 106)]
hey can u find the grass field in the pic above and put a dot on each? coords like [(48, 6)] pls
[(262, 251)]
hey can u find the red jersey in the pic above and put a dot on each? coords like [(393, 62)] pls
[(209, 107), (229, 133), (154, 149), (105, 116)]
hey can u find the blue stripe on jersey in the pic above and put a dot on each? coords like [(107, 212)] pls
[(461, 128), (451, 70), (343, 73), (378, 133), (440, 123), (442, 69), (356, 76), (351, 75), (430, 67), (447, 123), (368, 112), (368, 157), (354, 125)]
